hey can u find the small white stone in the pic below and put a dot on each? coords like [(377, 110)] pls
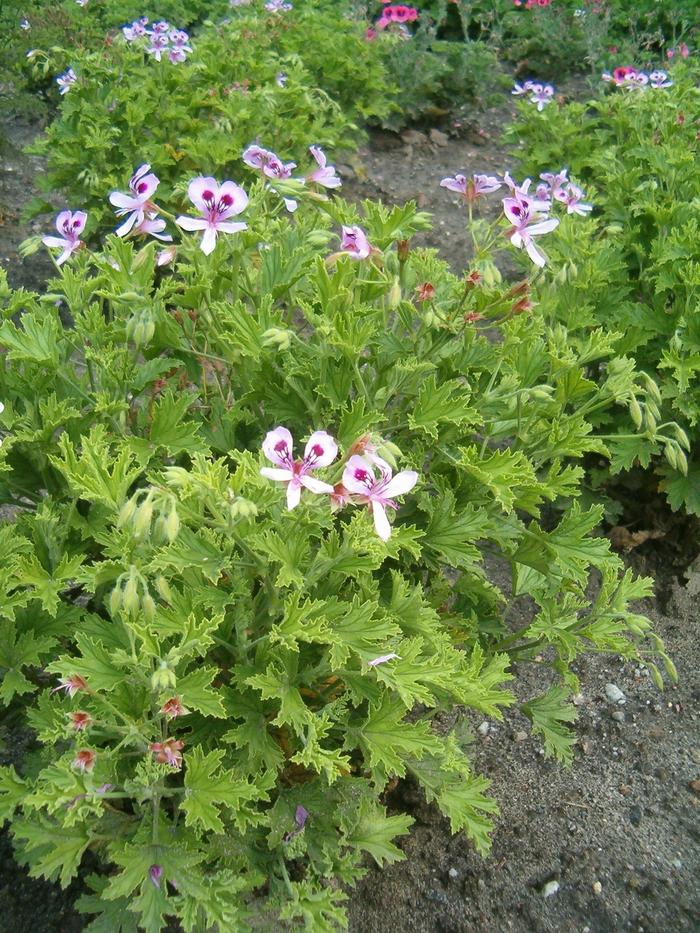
[(597, 887), (453, 873), (614, 694), (550, 888), (484, 728)]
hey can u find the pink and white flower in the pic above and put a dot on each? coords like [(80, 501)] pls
[(555, 180), (217, 203), (471, 188), (168, 752), (159, 45), (320, 451), (153, 225), (354, 242), (277, 6), (359, 478), (66, 81), (84, 760), (72, 684), (325, 174), (659, 79), (519, 90), (572, 196), (71, 225), (142, 187), (135, 30), (542, 95), (524, 213)]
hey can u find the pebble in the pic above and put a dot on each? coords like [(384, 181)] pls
[(453, 873), (618, 715), (614, 694), (597, 887), (550, 888), (484, 728), (520, 736), (635, 815)]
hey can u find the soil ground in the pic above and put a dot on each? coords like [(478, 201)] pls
[(619, 833)]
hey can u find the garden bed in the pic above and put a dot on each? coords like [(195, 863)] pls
[(611, 844)]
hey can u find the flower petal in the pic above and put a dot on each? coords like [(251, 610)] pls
[(358, 475), (381, 522), (278, 446), (198, 187), (277, 474), (208, 240), (320, 451), (315, 485), (293, 494), (192, 223), (402, 483)]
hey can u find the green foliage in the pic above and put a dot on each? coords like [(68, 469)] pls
[(196, 117), (236, 664), (634, 269)]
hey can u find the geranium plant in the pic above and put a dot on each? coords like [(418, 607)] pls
[(634, 267), (255, 486)]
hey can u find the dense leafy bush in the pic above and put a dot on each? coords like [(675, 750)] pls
[(67, 28), (224, 689), (198, 116), (637, 271)]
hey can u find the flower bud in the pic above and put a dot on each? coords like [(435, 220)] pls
[(163, 589), (142, 520), (127, 511), (681, 436), (649, 420), (651, 387), (402, 250), (163, 678), (115, 601), (130, 596), (670, 667), (277, 337), (243, 508), (395, 294), (636, 412), (656, 676), (172, 524), (148, 607), (670, 454)]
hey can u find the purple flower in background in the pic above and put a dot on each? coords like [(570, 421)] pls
[(267, 162), (66, 81), (659, 79), (360, 479), (325, 174), (542, 95), (354, 242), (519, 90), (216, 203), (159, 45), (70, 225), (300, 817), (472, 188), (160, 28), (555, 180), (277, 6), (154, 874), (24, 24), (281, 78), (135, 30), (572, 196), (321, 450)]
